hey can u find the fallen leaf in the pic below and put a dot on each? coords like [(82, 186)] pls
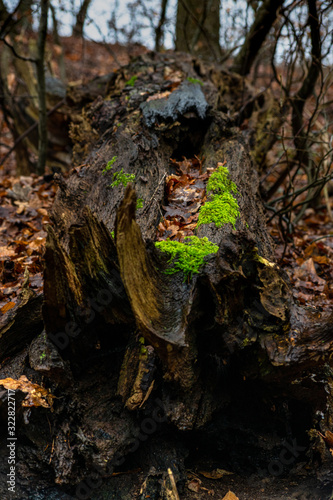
[(6, 252), (36, 395), (194, 485), (307, 271), (7, 307), (160, 95), (328, 438), (230, 496)]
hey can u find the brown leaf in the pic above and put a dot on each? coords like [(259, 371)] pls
[(230, 496), (308, 272), (36, 395), (7, 307), (322, 259), (194, 485), (42, 211), (6, 252), (328, 438), (159, 95)]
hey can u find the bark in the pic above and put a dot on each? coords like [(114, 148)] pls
[(57, 41), (3, 15), (19, 327), (144, 363)]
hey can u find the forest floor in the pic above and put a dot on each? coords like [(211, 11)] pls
[(306, 255)]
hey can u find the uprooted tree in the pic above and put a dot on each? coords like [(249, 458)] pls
[(146, 343)]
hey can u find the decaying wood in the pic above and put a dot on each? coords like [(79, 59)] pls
[(218, 355)]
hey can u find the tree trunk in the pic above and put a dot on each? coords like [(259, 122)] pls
[(81, 18), (148, 366), (159, 27), (264, 20), (42, 116), (198, 28)]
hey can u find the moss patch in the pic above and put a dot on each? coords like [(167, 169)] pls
[(194, 80), (139, 203), (219, 182), (223, 207), (131, 81), (189, 256), (109, 165), (122, 178)]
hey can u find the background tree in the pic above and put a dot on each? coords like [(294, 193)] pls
[(81, 17), (198, 28)]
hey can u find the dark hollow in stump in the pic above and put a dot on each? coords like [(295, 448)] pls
[(143, 362)]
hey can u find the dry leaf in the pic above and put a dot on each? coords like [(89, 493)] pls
[(194, 485), (328, 438), (230, 496), (36, 395), (7, 307), (160, 95), (6, 252)]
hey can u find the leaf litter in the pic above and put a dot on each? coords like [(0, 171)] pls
[(186, 193), (24, 204)]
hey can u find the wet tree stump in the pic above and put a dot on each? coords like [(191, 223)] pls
[(146, 366)]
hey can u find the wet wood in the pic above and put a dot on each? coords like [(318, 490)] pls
[(156, 358)]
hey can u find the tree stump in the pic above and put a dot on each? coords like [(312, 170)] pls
[(150, 357)]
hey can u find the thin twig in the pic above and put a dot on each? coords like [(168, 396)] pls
[(153, 196), (28, 59)]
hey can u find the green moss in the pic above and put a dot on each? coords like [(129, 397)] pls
[(131, 81), (122, 178), (109, 165), (194, 80), (189, 256), (139, 203), (42, 356), (222, 208), (112, 234), (219, 182)]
